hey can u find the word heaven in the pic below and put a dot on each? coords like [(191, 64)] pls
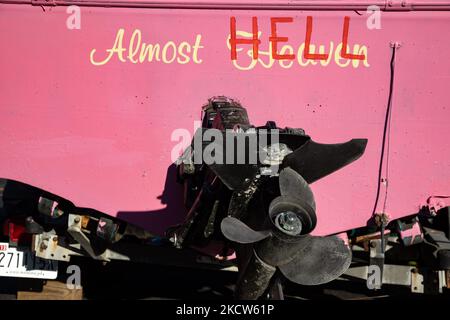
[(286, 54)]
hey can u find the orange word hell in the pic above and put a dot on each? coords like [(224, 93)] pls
[(275, 39)]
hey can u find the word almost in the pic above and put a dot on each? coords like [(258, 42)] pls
[(305, 53), (137, 51)]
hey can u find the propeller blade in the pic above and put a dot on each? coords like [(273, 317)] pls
[(293, 185), (319, 260), (235, 230), (210, 146), (314, 161)]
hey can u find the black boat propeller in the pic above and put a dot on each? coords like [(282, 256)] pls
[(287, 244)]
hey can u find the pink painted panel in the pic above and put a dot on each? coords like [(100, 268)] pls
[(100, 135)]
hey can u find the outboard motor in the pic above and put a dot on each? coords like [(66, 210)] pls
[(252, 184)]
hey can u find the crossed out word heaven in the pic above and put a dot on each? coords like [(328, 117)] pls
[(305, 54)]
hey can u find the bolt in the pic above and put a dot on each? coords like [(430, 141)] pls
[(55, 239), (43, 246), (396, 45), (373, 244), (76, 220)]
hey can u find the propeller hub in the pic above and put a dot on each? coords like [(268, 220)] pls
[(288, 222)]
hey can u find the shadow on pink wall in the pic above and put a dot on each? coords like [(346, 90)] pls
[(158, 221)]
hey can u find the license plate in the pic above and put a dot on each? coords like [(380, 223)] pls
[(22, 263)]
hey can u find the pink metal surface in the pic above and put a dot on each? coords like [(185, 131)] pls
[(100, 135)]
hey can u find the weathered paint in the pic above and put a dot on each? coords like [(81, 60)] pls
[(100, 135)]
